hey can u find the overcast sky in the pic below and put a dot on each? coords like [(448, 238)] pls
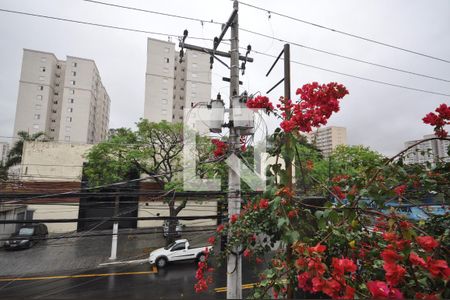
[(378, 116)]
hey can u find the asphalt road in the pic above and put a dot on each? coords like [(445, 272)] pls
[(129, 281)]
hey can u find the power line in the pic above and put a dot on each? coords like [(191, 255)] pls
[(358, 77), (109, 219), (271, 37), (202, 21), (344, 33), (344, 56), (97, 24)]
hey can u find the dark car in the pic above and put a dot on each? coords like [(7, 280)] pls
[(26, 237)]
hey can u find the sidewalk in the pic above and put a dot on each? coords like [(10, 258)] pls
[(72, 255)]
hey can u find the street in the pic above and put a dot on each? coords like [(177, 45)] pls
[(77, 268), (119, 282)]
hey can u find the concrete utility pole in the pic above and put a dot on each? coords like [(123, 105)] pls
[(115, 230), (234, 261)]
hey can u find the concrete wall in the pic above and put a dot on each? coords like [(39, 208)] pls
[(9, 213), (51, 161), (193, 208), (55, 211)]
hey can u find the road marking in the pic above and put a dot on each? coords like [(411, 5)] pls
[(153, 271), (244, 287), (136, 261)]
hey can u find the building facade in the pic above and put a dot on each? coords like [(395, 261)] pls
[(328, 138), (64, 99), (171, 85), (427, 152), (4, 149)]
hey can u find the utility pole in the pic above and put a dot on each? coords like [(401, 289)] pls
[(286, 53), (234, 260), (115, 230)]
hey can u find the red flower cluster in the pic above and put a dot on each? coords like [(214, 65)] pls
[(263, 203), (317, 105), (313, 280), (381, 290), (428, 243), (221, 147), (400, 190), (233, 219), (340, 178), (220, 228), (337, 191), (439, 120), (202, 281), (260, 102), (309, 165)]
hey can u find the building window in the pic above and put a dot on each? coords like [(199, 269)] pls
[(194, 54), (53, 121), (166, 70), (37, 106), (164, 111), (67, 128), (39, 97), (69, 119), (74, 73), (41, 78), (194, 65), (72, 82), (36, 126), (52, 129), (72, 92), (182, 78), (164, 101), (194, 75), (54, 111), (40, 88), (37, 116), (71, 100), (167, 50), (166, 59), (43, 59), (182, 107), (42, 69), (74, 64), (164, 91), (55, 102), (164, 80), (193, 85), (70, 109), (58, 67)]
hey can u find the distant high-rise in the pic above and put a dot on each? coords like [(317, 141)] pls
[(327, 139), (4, 149), (427, 152), (64, 99), (171, 86)]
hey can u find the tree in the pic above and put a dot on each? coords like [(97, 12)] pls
[(154, 149), (15, 153), (341, 249)]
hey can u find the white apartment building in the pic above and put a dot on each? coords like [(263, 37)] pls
[(64, 99), (4, 149), (171, 86), (328, 138), (429, 151)]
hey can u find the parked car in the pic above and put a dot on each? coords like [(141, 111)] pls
[(413, 213), (437, 210), (179, 250), (178, 228), (26, 236)]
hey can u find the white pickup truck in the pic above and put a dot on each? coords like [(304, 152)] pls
[(177, 251)]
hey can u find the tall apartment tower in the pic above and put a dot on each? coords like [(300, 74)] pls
[(64, 99), (171, 86), (427, 152), (4, 149), (328, 138)]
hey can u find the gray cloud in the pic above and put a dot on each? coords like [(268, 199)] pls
[(378, 116)]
